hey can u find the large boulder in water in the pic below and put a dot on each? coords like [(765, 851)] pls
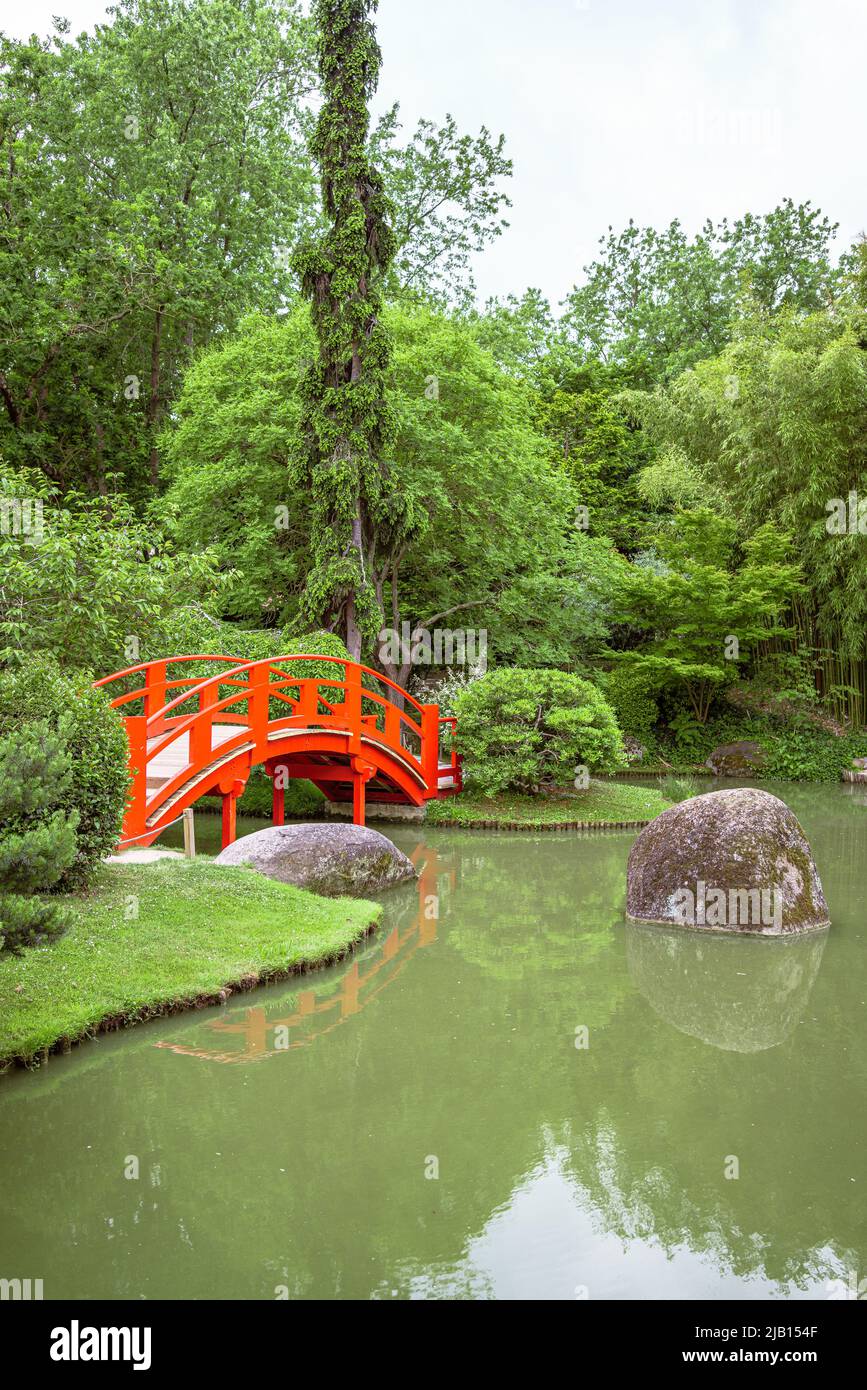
[(336, 860), (726, 861)]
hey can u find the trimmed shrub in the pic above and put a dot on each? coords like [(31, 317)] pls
[(96, 742), (520, 730), (634, 706)]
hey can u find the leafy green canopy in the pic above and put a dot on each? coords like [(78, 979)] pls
[(702, 592), (522, 730), (152, 172), (657, 302), (155, 176), (775, 428), (492, 537), (91, 584), (447, 203)]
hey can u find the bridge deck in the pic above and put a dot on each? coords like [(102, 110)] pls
[(165, 765)]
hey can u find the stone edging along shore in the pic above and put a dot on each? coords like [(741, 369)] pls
[(543, 825)]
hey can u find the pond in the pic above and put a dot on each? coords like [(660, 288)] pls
[(425, 1120)]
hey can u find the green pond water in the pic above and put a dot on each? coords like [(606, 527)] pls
[(287, 1142)]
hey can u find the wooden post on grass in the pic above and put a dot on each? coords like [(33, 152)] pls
[(189, 833)]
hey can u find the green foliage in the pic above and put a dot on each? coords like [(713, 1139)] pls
[(300, 798), (704, 594), (656, 303), (692, 739), (37, 837), (95, 580), (674, 788), (805, 754), (233, 459), (522, 729), (94, 737), (493, 542), (773, 430), (602, 456), (446, 201), (165, 152), (192, 631), (632, 700)]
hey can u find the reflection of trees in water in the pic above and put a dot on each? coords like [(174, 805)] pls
[(652, 1154), (560, 917)]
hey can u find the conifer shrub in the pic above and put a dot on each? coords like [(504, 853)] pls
[(95, 738), (37, 834)]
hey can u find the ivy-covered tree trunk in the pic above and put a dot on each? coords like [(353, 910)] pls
[(347, 423)]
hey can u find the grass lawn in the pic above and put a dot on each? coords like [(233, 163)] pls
[(200, 932), (603, 803)]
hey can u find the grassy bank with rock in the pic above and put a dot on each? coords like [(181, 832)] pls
[(157, 938)]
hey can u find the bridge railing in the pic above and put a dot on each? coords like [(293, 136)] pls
[(451, 775), (262, 698)]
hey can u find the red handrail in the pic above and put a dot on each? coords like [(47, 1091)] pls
[(365, 749)]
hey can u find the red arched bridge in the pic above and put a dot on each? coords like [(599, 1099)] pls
[(356, 735)]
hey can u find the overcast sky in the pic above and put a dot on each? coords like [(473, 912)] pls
[(623, 108)]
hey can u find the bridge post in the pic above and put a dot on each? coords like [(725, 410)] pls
[(201, 731), (361, 775), (230, 793), (155, 689), (229, 800), (430, 749), (136, 735)]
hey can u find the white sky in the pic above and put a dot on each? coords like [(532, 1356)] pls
[(650, 109)]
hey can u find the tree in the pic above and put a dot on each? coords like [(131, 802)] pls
[(602, 455), (655, 303), (346, 421), (93, 735), (37, 839), (444, 189), (521, 730), (701, 604), (89, 581), (152, 178), (492, 541), (775, 429)]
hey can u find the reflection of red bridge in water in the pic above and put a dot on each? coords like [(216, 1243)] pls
[(354, 734), (359, 986)]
